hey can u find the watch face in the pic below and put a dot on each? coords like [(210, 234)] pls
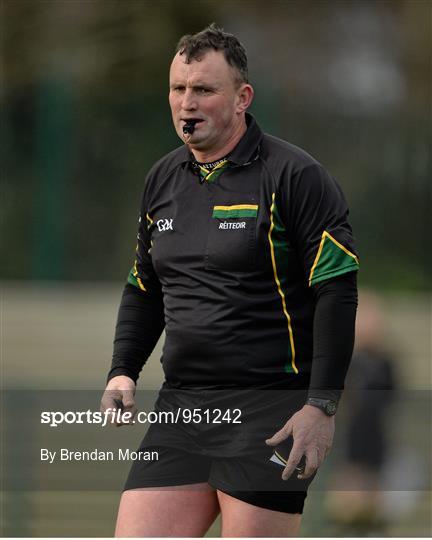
[(331, 408)]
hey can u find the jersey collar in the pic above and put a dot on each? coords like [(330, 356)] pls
[(247, 149)]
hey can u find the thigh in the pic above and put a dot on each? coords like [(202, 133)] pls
[(167, 496), (253, 498), (171, 511), (243, 519)]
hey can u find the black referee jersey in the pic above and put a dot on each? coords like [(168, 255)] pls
[(227, 263)]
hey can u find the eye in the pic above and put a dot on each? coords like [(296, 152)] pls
[(203, 90), (179, 88)]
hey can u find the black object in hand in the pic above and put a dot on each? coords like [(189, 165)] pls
[(283, 450), (119, 404)]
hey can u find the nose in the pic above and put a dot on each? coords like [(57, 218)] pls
[(189, 102)]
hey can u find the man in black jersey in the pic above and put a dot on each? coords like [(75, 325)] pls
[(245, 257)]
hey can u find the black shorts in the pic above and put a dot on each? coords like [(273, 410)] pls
[(233, 457), (254, 479)]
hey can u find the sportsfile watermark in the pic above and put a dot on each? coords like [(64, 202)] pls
[(54, 439), (117, 416)]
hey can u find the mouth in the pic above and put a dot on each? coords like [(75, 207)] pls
[(190, 124), (192, 120)]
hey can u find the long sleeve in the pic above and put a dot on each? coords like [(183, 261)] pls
[(317, 216), (333, 335), (140, 323), (140, 320)]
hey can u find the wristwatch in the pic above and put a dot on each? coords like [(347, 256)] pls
[(328, 406)]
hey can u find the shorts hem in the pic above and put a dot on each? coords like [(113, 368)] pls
[(164, 482), (266, 499)]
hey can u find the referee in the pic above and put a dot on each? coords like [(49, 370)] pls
[(246, 258)]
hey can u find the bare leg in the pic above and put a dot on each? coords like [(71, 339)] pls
[(183, 511), (241, 519)]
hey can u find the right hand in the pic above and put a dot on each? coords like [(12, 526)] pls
[(120, 393)]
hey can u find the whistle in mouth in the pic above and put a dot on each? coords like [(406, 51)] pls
[(189, 127)]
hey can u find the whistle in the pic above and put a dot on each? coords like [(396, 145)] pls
[(189, 127)]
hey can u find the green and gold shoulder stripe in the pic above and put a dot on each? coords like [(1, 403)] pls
[(332, 259)]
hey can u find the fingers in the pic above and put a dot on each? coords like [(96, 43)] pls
[(128, 410), (280, 435), (293, 460), (128, 399), (119, 400), (312, 435), (109, 399), (312, 463), (121, 389), (129, 406)]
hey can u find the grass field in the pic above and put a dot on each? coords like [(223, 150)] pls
[(59, 337)]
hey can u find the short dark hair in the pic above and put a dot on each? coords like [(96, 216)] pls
[(214, 37)]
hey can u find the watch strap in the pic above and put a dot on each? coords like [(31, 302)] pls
[(328, 406)]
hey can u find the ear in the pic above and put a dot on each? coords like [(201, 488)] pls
[(245, 96)]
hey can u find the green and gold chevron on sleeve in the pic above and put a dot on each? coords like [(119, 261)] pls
[(235, 211), (332, 259), (134, 280)]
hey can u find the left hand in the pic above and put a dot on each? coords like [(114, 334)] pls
[(312, 431)]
